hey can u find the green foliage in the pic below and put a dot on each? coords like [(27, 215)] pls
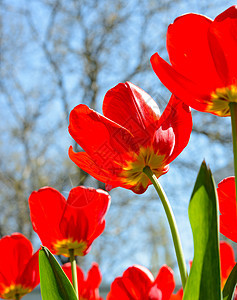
[(230, 285), (54, 283), (204, 279)]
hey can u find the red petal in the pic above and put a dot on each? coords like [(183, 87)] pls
[(30, 277), (15, 253), (94, 277), (223, 42), (178, 295), (98, 135), (81, 196), (228, 209), (98, 231), (165, 282), (155, 294), (226, 194), (135, 284), (177, 118), (86, 163), (81, 220), (227, 258), (189, 52), (118, 291), (46, 209), (132, 108), (111, 176), (139, 188), (163, 142), (228, 228), (185, 89)]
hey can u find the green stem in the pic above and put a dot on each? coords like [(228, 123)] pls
[(233, 112), (172, 223), (17, 297), (74, 271)]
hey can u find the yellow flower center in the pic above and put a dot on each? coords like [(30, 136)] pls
[(62, 247), (220, 100), (15, 291), (133, 174)]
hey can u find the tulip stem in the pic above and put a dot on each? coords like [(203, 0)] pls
[(172, 224), (233, 112), (74, 271), (17, 297)]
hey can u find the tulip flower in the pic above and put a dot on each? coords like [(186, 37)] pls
[(88, 288), (203, 68), (19, 267), (137, 283), (129, 137), (227, 258), (72, 224), (178, 295), (227, 207)]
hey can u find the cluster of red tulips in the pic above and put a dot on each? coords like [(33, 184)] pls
[(131, 145)]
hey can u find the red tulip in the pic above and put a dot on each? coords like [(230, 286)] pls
[(228, 209), (202, 53), (227, 258), (88, 288), (178, 295), (137, 283), (68, 224), (19, 267), (130, 136)]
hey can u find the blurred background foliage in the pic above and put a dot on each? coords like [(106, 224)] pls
[(56, 54)]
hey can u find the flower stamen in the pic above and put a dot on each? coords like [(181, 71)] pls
[(62, 247), (132, 172), (11, 291), (220, 100)]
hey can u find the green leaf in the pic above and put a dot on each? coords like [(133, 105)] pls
[(204, 279), (230, 284), (54, 283)]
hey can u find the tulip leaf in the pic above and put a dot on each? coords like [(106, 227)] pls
[(230, 284), (204, 279), (54, 283)]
